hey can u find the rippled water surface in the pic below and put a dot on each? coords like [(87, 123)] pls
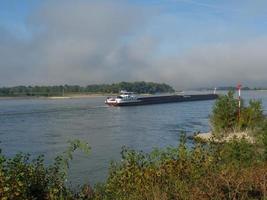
[(43, 126)]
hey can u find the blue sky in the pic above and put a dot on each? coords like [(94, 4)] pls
[(14, 13), (168, 32), (225, 20)]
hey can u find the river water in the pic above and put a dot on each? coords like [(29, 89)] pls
[(44, 126)]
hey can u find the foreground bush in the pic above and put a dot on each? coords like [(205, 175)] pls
[(234, 170), (23, 178)]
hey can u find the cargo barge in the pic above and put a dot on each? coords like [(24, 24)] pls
[(130, 99)]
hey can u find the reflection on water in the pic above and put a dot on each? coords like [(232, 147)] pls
[(44, 127)]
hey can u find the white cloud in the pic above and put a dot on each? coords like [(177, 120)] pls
[(83, 42), (218, 64)]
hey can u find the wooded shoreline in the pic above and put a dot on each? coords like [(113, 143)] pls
[(66, 90)]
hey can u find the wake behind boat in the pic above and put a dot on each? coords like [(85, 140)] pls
[(130, 99)]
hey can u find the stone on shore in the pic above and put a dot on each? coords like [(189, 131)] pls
[(209, 137)]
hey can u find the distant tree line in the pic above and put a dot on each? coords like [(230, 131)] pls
[(234, 88), (61, 90)]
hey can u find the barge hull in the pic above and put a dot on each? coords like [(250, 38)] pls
[(167, 99)]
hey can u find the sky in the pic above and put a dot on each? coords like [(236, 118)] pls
[(185, 43)]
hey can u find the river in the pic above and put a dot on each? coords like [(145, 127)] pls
[(44, 126)]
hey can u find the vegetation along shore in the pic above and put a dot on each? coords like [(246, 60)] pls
[(231, 120), (76, 90), (231, 169)]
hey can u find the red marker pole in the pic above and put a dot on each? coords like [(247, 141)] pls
[(239, 86)]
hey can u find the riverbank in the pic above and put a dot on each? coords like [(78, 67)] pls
[(79, 96), (67, 96)]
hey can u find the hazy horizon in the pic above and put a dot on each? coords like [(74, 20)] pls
[(184, 43)]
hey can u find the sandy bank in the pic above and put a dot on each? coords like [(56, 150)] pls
[(58, 97), (87, 95)]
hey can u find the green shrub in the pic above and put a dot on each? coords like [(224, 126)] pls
[(23, 178), (225, 115), (233, 170), (219, 171), (261, 136), (251, 116)]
